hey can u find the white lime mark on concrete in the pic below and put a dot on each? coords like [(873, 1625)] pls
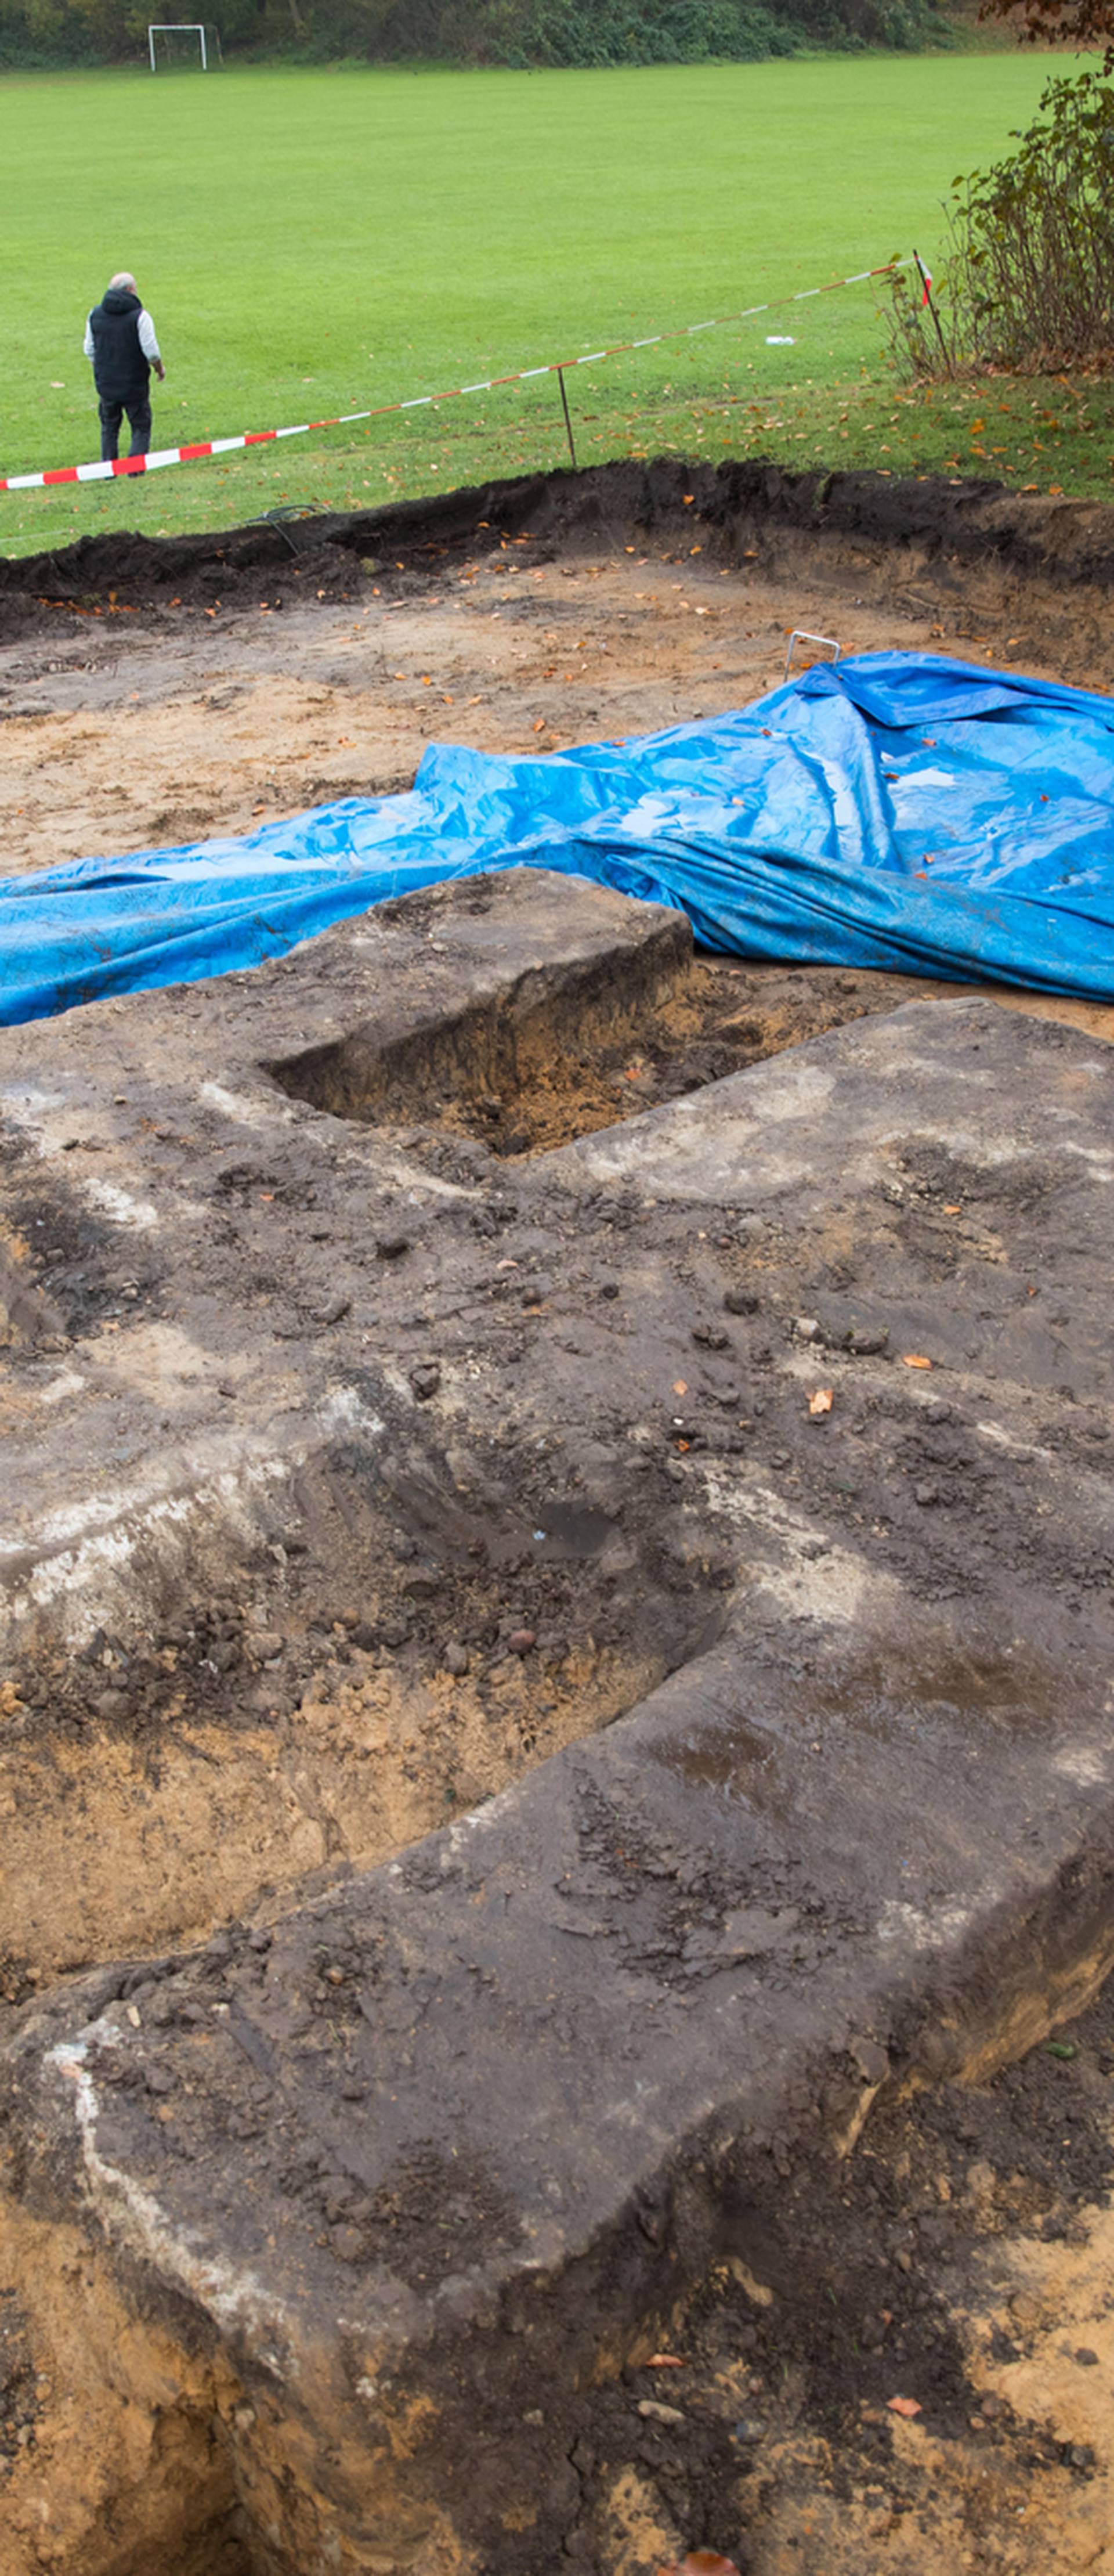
[(247, 1113), (898, 1922), (832, 1584), (1005, 1440), (89, 1547), (119, 1205), (69, 1383), (1085, 1764), (345, 1410), (1101, 1162), (132, 2217)]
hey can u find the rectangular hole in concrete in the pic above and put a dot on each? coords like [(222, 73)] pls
[(553, 1058)]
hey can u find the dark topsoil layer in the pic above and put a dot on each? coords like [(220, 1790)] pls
[(964, 522)]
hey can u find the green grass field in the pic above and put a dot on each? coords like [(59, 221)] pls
[(310, 241)]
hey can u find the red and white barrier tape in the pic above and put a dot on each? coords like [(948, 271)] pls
[(120, 465)]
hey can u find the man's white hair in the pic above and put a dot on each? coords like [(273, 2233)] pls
[(124, 280)]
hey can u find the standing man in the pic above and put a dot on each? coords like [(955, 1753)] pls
[(120, 340)]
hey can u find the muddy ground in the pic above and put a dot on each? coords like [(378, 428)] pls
[(160, 693)]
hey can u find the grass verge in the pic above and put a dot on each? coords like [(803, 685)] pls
[(313, 240)]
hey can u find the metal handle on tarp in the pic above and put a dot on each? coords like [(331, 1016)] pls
[(802, 635)]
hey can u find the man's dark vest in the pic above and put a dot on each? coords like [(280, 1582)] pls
[(120, 370)]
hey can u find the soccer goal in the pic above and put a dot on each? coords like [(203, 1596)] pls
[(172, 47)]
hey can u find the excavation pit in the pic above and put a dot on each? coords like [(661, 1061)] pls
[(543, 1060), (392, 2046), (371, 1625), (532, 1069), (481, 1762)]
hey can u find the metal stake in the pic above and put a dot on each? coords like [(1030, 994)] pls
[(565, 409), (927, 285)]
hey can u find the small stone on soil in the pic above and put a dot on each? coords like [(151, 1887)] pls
[(111, 1704), (333, 1311), (347, 2244)]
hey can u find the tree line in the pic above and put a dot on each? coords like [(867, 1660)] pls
[(525, 34)]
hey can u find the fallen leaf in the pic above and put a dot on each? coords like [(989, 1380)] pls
[(914, 1359), (903, 2405), (821, 1400), (700, 2562), (680, 1386)]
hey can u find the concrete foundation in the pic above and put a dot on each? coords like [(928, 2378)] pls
[(757, 1447)]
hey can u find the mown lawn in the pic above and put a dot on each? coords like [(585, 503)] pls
[(310, 241)]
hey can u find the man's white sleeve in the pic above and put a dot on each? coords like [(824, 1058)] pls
[(88, 341), (147, 340)]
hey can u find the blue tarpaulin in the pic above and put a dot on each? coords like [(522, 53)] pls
[(895, 810)]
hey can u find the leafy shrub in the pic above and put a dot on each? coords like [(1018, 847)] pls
[(1029, 277)]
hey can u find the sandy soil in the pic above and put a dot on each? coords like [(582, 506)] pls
[(115, 742), (132, 719)]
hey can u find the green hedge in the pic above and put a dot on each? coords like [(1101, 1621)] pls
[(522, 33)]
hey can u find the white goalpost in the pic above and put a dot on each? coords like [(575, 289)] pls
[(190, 27)]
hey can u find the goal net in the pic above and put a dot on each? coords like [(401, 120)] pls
[(192, 45)]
